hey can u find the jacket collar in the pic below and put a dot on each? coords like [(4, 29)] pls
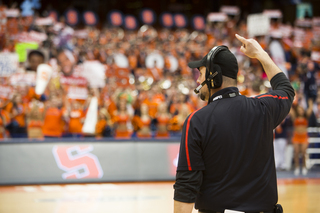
[(223, 91)]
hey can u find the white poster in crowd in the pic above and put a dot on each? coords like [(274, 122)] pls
[(155, 60), (9, 63), (217, 17), (44, 72), (174, 64), (32, 36), (91, 119), (78, 93), (315, 56), (12, 13), (44, 21), (94, 72), (230, 10), (28, 78), (76, 87), (258, 25), (121, 60), (6, 92), (277, 14), (278, 55)]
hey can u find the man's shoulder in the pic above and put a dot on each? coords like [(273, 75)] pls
[(198, 114)]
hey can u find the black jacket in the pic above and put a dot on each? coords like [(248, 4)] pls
[(226, 158)]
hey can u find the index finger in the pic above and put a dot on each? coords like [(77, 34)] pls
[(242, 39)]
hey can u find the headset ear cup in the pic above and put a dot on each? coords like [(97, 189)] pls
[(218, 78)]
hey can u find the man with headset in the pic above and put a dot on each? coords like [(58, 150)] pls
[(226, 158)]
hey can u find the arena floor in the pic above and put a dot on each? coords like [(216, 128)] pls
[(296, 194)]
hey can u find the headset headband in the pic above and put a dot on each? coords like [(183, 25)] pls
[(213, 52)]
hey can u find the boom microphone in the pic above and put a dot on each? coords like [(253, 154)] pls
[(197, 90)]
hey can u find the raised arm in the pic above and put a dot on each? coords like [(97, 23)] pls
[(252, 49), (310, 107)]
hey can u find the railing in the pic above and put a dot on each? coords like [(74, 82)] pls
[(313, 150)]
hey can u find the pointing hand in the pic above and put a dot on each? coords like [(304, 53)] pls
[(250, 47)]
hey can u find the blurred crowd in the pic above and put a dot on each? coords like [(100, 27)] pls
[(140, 78)]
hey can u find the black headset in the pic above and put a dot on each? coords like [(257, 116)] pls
[(214, 73)]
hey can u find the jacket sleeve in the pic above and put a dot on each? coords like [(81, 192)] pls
[(279, 100), (187, 186), (190, 154)]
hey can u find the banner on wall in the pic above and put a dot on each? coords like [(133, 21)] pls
[(180, 20), (130, 22), (54, 14), (72, 17), (81, 162), (115, 18), (147, 16), (166, 20), (90, 18), (198, 22)]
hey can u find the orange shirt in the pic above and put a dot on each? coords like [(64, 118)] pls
[(53, 122), (153, 103), (75, 124), (301, 122), (163, 120), (5, 116), (136, 123), (176, 107), (122, 119), (35, 124), (100, 126), (133, 61), (21, 113), (21, 116), (145, 122), (174, 124), (31, 94)]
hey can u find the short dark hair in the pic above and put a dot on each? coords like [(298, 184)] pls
[(35, 52)]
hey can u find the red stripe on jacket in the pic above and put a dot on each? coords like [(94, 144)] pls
[(186, 141), (272, 96)]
